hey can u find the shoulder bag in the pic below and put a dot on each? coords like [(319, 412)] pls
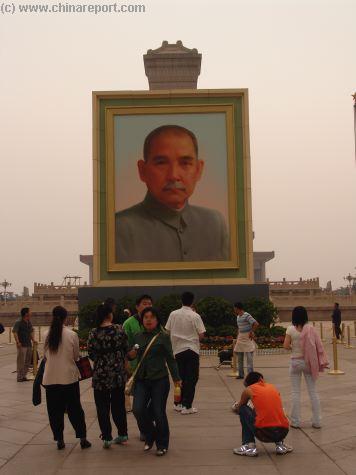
[(129, 386)]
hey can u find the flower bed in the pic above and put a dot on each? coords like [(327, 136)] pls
[(218, 343), (225, 343)]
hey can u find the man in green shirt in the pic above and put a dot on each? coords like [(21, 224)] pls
[(133, 325)]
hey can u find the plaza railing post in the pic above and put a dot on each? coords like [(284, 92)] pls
[(233, 374), (343, 333), (321, 332), (354, 330), (348, 344), (336, 370), (39, 334)]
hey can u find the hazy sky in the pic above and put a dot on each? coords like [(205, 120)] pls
[(297, 57)]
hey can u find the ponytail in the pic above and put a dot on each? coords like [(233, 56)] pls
[(54, 337)]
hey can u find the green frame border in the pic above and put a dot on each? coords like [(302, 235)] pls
[(242, 220)]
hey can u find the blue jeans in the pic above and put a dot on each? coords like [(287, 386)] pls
[(249, 362), (247, 419), (266, 434), (157, 391)]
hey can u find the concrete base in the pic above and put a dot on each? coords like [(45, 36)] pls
[(232, 293)]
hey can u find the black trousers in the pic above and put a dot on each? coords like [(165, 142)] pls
[(337, 324), (188, 367), (152, 418), (61, 398), (111, 400)]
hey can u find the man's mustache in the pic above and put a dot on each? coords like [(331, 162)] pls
[(175, 185)]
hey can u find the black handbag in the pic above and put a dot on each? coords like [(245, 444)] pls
[(36, 389)]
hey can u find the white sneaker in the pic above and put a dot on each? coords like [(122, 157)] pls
[(247, 449), (178, 407), (282, 449), (191, 410)]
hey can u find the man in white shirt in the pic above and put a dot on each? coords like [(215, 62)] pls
[(186, 329)]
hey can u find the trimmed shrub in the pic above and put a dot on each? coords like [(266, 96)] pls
[(167, 304), (86, 315), (216, 312), (262, 310)]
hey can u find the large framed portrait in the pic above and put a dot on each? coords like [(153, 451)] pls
[(171, 184)]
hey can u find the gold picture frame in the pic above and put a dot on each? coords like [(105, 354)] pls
[(109, 105)]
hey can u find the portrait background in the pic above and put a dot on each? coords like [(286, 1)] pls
[(130, 132)]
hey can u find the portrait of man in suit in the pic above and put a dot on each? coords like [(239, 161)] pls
[(164, 226)]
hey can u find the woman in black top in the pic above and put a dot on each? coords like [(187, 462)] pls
[(107, 347), (152, 381)]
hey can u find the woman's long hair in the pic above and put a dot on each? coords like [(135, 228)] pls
[(299, 316), (102, 313), (54, 337)]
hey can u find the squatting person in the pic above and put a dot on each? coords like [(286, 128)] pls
[(266, 420)]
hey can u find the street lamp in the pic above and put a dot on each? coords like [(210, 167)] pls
[(351, 281), (5, 285)]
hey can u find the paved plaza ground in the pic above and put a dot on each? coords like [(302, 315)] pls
[(200, 443)]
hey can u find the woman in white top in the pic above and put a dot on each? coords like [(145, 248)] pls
[(61, 379), (298, 367)]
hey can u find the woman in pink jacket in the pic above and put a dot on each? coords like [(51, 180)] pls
[(308, 358)]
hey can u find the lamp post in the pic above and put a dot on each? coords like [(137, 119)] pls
[(5, 285), (351, 279)]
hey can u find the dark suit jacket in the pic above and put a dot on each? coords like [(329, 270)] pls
[(151, 232)]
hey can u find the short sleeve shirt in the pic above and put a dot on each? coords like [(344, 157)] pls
[(24, 329), (245, 322), (184, 326), (295, 339)]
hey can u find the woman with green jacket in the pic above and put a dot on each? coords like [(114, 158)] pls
[(152, 381)]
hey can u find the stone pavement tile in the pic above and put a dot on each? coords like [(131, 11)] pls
[(162, 470), (15, 436), (45, 436), (208, 443), (204, 419), (326, 436), (8, 411), (339, 420), (25, 426), (33, 415), (134, 457), (35, 460), (294, 464), (342, 449), (8, 450), (348, 464), (301, 443)]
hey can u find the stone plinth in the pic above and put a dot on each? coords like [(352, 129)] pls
[(172, 66)]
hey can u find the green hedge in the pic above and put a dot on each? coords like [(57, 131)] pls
[(216, 312)]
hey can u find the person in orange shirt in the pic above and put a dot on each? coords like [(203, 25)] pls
[(266, 420)]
